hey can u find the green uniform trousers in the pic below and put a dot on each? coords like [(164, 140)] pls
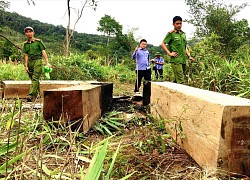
[(179, 72), (35, 72)]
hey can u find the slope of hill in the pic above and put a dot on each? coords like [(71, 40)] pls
[(53, 35), (12, 25)]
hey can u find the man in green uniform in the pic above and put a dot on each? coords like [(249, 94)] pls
[(34, 51), (175, 45)]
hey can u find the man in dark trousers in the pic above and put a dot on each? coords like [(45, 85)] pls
[(158, 65), (34, 51), (142, 57), (175, 45)]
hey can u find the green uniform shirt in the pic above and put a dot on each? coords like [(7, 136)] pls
[(34, 49), (177, 42)]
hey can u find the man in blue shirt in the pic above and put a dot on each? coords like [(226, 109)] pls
[(142, 57), (158, 65)]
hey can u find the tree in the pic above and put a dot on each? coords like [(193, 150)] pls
[(4, 4), (31, 2), (199, 10), (211, 16), (110, 27), (123, 45), (7, 51), (232, 33), (79, 12)]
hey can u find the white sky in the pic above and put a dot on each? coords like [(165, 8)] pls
[(153, 18)]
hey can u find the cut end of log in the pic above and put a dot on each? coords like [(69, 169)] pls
[(214, 128)]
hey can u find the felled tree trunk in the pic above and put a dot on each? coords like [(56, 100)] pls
[(214, 128)]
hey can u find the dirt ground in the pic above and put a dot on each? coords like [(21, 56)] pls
[(145, 148), (152, 159)]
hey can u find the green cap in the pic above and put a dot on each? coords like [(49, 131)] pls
[(157, 54)]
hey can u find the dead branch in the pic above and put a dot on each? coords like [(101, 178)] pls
[(78, 18), (10, 42), (31, 1)]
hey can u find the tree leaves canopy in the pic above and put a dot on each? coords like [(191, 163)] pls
[(109, 26), (212, 16), (4, 5)]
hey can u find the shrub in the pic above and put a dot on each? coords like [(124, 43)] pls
[(77, 67), (11, 71), (217, 73)]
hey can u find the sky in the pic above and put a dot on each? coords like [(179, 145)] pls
[(152, 18)]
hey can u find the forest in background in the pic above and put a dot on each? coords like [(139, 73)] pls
[(120, 46)]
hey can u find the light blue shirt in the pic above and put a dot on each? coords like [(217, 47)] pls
[(161, 60), (142, 58)]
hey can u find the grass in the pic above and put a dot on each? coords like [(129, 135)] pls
[(213, 71), (12, 71), (210, 70), (137, 147), (41, 150)]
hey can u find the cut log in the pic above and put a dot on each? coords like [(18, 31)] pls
[(71, 104), (20, 89), (1, 89), (146, 93), (216, 126), (106, 94), (79, 105), (1, 92)]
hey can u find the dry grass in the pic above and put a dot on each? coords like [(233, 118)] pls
[(59, 153)]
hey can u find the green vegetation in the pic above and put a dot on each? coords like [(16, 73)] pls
[(217, 73), (124, 144), (40, 149), (213, 16), (119, 46), (11, 71)]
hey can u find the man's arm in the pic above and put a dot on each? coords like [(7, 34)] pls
[(135, 53), (165, 48), (46, 58), (161, 63), (189, 56), (26, 58)]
